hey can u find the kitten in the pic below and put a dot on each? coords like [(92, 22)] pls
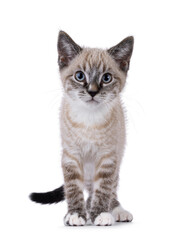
[(92, 131)]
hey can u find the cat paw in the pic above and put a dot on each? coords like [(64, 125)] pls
[(104, 219), (121, 215), (73, 219)]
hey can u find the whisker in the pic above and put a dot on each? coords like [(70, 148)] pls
[(50, 91)]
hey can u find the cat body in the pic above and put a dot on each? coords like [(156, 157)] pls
[(92, 130)]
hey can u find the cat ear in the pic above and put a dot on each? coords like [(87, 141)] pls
[(122, 53), (67, 49)]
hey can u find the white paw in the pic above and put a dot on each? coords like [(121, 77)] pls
[(74, 220), (121, 215), (104, 219)]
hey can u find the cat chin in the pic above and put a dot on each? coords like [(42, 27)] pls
[(93, 105)]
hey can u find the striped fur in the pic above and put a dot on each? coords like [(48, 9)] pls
[(92, 132)]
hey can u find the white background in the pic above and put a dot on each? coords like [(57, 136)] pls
[(30, 95)]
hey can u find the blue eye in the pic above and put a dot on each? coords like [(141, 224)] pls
[(107, 78), (80, 76)]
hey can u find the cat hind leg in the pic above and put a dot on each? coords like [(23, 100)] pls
[(120, 214)]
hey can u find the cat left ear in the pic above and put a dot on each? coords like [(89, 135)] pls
[(67, 49), (122, 53)]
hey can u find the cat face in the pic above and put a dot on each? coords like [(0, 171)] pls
[(93, 76)]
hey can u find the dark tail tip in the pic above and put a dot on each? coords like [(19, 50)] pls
[(54, 196)]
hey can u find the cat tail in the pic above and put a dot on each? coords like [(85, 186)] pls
[(54, 196)]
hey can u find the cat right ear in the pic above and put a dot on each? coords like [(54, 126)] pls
[(67, 49), (122, 52)]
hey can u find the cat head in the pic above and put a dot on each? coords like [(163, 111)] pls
[(93, 76)]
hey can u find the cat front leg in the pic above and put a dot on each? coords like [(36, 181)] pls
[(102, 193), (73, 177)]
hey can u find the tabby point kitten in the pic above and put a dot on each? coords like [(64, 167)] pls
[(92, 131)]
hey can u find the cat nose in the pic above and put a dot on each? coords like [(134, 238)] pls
[(93, 89), (92, 93)]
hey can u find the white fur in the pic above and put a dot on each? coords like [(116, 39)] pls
[(74, 220), (89, 113), (121, 215), (104, 219)]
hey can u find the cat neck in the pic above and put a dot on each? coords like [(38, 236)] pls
[(89, 114)]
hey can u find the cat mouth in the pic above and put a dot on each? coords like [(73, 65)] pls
[(92, 101)]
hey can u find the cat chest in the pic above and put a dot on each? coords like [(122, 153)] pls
[(89, 154), (89, 171), (84, 127), (95, 134)]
